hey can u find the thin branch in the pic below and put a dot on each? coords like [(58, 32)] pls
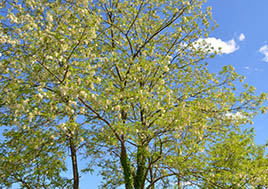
[(71, 54), (134, 20), (101, 118), (54, 75), (159, 178), (172, 20)]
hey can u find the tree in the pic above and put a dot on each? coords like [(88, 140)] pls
[(32, 33), (235, 161), (126, 84), (29, 157)]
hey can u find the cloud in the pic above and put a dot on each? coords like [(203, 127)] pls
[(225, 47), (242, 37), (264, 50), (251, 69)]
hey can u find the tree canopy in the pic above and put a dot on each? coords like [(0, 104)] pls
[(125, 85)]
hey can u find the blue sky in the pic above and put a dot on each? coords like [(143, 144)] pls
[(243, 31), (245, 22)]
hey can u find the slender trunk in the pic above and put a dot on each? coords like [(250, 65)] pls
[(74, 164), (179, 182), (140, 174), (126, 167)]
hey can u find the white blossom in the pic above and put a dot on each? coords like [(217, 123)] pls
[(49, 17)]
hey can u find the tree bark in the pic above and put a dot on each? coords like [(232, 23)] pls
[(179, 182), (126, 167), (74, 165), (140, 174)]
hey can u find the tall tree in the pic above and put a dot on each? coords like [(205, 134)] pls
[(32, 158), (41, 42), (128, 82)]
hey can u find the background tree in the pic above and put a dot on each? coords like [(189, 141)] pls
[(235, 161), (126, 81)]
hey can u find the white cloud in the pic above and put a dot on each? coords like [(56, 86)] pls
[(242, 37), (225, 47), (264, 50)]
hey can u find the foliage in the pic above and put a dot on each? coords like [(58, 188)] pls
[(126, 84), (235, 161), (32, 158)]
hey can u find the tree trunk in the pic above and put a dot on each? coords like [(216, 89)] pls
[(74, 164), (126, 167), (179, 182), (140, 174)]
